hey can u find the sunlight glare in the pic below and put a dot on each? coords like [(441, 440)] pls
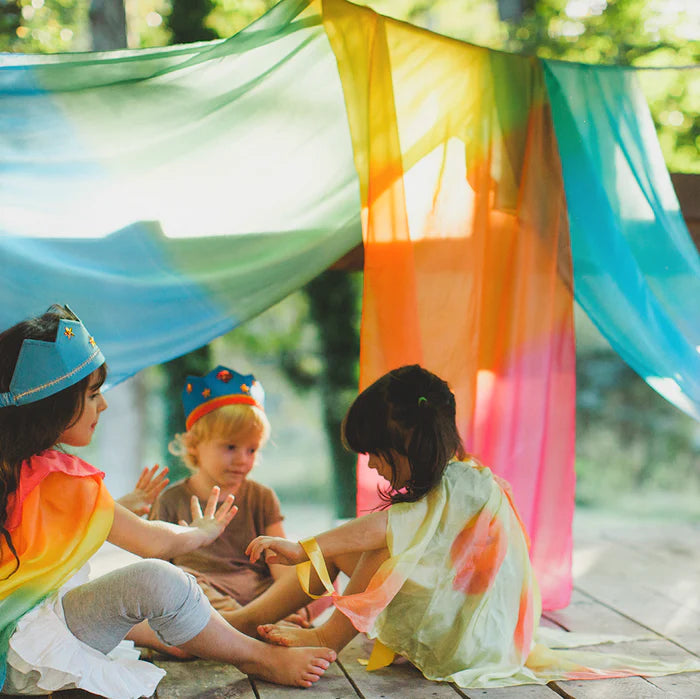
[(671, 390), (439, 201)]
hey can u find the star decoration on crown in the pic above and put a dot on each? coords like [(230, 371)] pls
[(68, 332), (221, 386)]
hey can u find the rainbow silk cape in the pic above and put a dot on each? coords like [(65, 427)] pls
[(59, 516), (170, 194)]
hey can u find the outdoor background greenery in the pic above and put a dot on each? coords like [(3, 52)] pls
[(635, 452)]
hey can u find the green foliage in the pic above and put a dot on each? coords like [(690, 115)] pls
[(631, 444), (629, 437), (44, 26), (230, 16), (628, 32), (313, 336), (10, 17), (187, 20), (283, 333), (334, 301), (196, 363)]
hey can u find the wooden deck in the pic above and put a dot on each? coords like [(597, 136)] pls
[(637, 580)]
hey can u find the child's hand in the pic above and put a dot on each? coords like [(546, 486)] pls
[(148, 487), (276, 550), (213, 522)]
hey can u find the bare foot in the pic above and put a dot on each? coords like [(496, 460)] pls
[(246, 623), (300, 618), (291, 636), (296, 667)]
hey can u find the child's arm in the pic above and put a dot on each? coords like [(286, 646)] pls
[(366, 533), (156, 539), (276, 530), (149, 486)]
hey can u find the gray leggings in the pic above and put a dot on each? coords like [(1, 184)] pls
[(101, 612)]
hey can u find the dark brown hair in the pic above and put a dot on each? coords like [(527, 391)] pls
[(410, 412), (26, 430)]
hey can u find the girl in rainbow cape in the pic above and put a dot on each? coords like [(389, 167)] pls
[(57, 629), (442, 576)]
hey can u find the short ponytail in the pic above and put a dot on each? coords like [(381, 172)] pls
[(409, 412)]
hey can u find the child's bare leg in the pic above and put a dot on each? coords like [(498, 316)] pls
[(283, 598), (298, 667), (143, 635), (338, 631)]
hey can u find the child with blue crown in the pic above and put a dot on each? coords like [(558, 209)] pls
[(226, 428), (58, 629)]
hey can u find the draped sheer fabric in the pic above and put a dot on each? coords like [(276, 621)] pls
[(170, 194), (467, 261)]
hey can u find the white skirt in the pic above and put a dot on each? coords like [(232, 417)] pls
[(44, 656)]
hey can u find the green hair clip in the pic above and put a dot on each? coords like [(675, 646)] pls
[(422, 399)]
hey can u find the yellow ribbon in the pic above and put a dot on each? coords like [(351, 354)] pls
[(313, 551), (381, 656)]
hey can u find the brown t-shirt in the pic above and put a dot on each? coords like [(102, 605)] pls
[(223, 563)]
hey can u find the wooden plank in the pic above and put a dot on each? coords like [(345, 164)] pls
[(622, 688), (399, 679), (526, 691), (689, 641), (665, 555), (333, 685), (685, 684), (646, 607), (64, 694), (202, 679), (660, 597), (403, 679), (586, 615), (627, 569)]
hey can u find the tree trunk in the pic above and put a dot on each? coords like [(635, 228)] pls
[(108, 25)]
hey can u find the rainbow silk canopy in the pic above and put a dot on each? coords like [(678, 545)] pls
[(168, 195)]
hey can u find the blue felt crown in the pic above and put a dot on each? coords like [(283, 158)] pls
[(44, 368), (221, 386)]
